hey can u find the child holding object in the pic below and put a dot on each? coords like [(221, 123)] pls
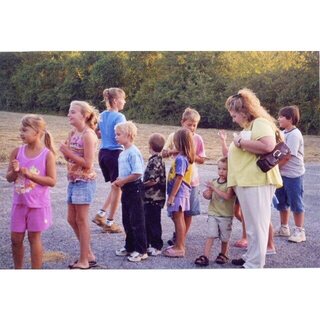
[(220, 215)]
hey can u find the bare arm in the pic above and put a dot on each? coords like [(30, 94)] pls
[(120, 182), (89, 145), (175, 189), (50, 178), (223, 141), (13, 167)]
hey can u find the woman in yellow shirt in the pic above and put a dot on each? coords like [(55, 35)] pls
[(253, 187)]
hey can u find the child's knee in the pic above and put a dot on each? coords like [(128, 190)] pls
[(17, 239)]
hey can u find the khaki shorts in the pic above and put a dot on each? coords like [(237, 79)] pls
[(219, 227)]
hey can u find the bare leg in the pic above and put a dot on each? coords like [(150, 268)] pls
[(115, 196), (207, 247), (238, 214), (107, 202), (187, 220), (17, 249), (224, 247), (298, 219), (84, 233), (78, 220), (180, 228), (270, 245), (284, 216), (36, 249)]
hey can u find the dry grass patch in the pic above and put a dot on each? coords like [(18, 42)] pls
[(59, 127)]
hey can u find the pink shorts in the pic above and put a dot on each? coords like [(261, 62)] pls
[(31, 219)]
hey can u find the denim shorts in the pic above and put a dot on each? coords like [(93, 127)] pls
[(291, 195), (81, 192), (194, 202)]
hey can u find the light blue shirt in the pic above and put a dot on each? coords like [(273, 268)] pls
[(130, 162), (108, 120)]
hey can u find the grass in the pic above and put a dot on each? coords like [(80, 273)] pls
[(59, 128)]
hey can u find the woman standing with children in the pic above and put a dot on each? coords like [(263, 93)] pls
[(32, 168), (254, 188), (79, 151)]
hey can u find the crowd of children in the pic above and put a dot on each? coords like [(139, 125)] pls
[(143, 190)]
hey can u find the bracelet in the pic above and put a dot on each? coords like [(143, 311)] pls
[(239, 143)]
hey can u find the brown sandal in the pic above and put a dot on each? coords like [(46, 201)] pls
[(221, 258), (202, 261)]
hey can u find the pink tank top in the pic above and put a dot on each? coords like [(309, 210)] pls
[(76, 172), (27, 192)]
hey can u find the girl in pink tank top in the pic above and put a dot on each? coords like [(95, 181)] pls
[(32, 168)]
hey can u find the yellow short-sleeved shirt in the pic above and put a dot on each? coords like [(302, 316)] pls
[(242, 168)]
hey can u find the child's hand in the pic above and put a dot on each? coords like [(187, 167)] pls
[(15, 165), (118, 183), (207, 194), (26, 172), (170, 201), (64, 149), (209, 185)]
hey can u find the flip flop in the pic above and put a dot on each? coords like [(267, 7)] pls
[(73, 267), (92, 264), (172, 253)]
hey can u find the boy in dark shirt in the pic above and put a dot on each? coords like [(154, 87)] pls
[(155, 194)]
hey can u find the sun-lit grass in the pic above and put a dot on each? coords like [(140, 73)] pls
[(59, 127)]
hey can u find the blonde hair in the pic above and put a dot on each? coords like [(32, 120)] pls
[(90, 113), (38, 124), (191, 114), (247, 103), (183, 141), (128, 128), (110, 94)]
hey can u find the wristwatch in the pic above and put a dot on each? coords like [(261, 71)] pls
[(239, 142)]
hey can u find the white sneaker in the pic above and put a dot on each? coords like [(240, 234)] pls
[(137, 257), (153, 251), (298, 235), (122, 252), (283, 231)]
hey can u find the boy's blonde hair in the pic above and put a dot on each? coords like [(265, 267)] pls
[(128, 128), (90, 113), (191, 114), (38, 124)]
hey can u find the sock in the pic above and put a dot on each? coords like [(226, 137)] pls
[(101, 213), (109, 222), (285, 225)]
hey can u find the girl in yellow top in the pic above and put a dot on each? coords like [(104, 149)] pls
[(253, 187)]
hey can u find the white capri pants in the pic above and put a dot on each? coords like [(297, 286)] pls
[(255, 203)]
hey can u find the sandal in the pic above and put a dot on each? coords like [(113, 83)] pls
[(202, 261), (221, 258)]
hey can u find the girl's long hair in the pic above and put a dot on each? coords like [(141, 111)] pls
[(38, 124), (89, 112), (183, 141)]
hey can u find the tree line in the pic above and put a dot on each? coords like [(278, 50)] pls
[(160, 85)]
